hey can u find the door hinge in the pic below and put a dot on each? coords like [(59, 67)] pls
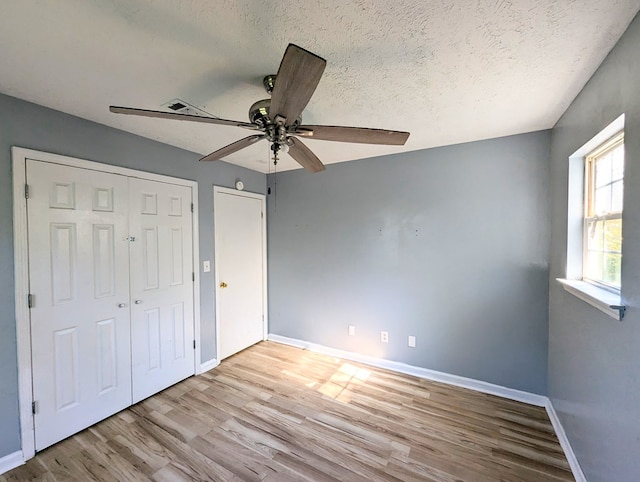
[(193, 276), (261, 215), (26, 191), (191, 207), (30, 300), (194, 344), (34, 407)]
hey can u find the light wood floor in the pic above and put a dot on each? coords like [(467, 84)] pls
[(277, 413)]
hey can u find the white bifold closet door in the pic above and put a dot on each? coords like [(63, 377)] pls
[(79, 277), (162, 348), (110, 267)]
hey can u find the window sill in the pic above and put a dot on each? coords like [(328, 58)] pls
[(605, 301)]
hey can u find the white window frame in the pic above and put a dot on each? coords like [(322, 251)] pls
[(588, 216), (606, 300)]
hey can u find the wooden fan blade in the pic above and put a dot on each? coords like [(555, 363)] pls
[(231, 148), (360, 135), (296, 81), (176, 116), (304, 156)]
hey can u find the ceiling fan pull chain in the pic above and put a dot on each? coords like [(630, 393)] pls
[(268, 160), (275, 186)]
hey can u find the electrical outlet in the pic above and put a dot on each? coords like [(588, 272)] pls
[(412, 341), (384, 336), (206, 266), (352, 330)]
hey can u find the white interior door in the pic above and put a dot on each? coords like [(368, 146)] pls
[(240, 269), (162, 322), (79, 278)]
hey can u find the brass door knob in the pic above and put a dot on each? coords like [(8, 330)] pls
[(223, 284)]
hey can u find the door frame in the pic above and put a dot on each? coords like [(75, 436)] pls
[(217, 190), (21, 271)]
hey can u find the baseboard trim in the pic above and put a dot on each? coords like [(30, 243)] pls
[(477, 385), (208, 365), (11, 461), (578, 474)]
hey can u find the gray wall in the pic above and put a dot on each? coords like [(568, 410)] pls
[(594, 361), (27, 125), (449, 245)]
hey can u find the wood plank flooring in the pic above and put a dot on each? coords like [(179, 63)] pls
[(277, 413)]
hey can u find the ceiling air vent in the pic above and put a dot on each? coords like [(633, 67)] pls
[(182, 107)]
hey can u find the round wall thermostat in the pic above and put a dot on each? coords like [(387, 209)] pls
[(239, 185)]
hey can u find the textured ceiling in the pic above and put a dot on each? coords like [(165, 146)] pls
[(448, 71)]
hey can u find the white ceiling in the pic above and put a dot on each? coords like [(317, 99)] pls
[(448, 71)]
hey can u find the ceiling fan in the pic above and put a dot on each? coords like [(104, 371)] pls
[(278, 119)]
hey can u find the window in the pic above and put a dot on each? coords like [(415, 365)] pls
[(594, 221), (602, 227)]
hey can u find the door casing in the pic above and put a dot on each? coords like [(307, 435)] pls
[(21, 272)]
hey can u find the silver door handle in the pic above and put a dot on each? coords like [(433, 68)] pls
[(121, 305), (137, 302)]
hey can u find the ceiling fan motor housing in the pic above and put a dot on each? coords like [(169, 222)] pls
[(259, 115)]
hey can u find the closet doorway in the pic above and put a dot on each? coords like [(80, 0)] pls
[(110, 258)]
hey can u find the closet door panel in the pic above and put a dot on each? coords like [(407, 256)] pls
[(162, 330), (79, 279)]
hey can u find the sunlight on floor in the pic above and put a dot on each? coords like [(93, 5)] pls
[(342, 382), (339, 386)]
